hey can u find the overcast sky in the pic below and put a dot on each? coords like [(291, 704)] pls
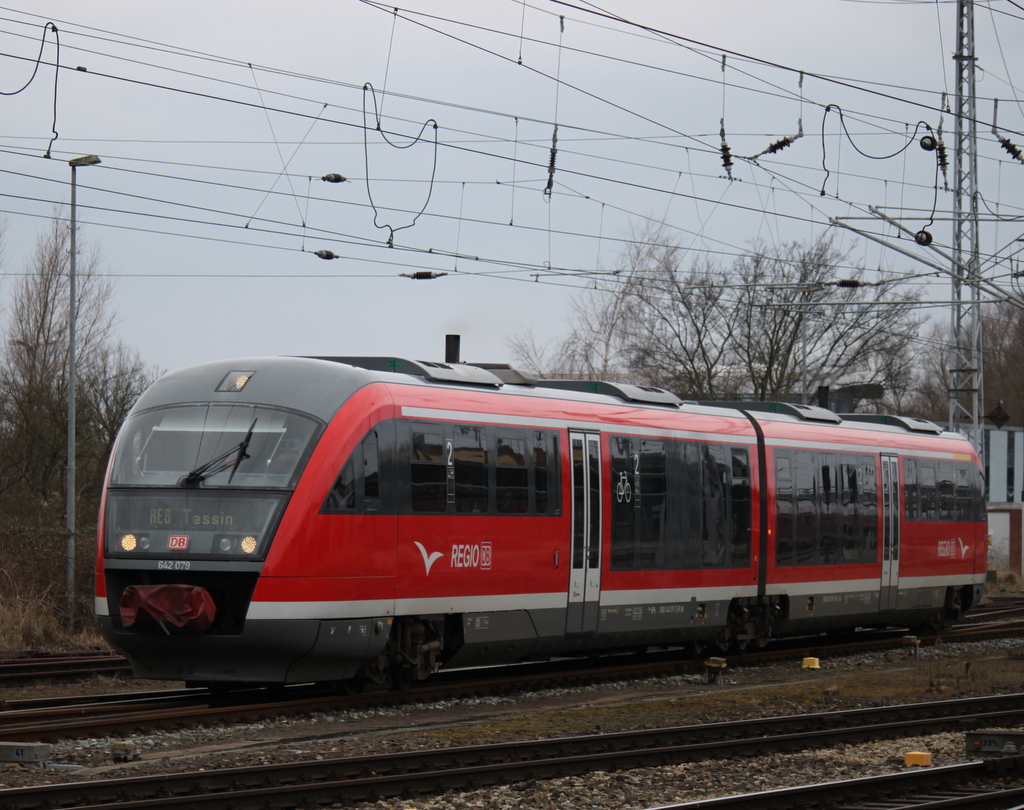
[(216, 120)]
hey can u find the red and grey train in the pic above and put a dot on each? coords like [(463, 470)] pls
[(283, 520)]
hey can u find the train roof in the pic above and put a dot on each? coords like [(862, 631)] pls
[(298, 383), (319, 385)]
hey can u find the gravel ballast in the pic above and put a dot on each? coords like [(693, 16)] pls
[(941, 671)]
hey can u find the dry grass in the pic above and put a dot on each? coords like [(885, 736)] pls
[(1008, 583), (37, 625), (33, 604)]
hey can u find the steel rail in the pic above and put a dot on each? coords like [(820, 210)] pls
[(74, 665), (101, 717), (394, 774), (969, 786)]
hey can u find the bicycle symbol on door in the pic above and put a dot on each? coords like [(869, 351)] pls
[(623, 490)]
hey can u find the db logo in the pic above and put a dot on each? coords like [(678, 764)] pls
[(472, 556), (177, 542)]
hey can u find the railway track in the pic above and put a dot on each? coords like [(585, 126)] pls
[(27, 668), (37, 666), (462, 768), (987, 785), (41, 720)]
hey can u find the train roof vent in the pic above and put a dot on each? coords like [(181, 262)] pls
[(649, 395), (810, 413), (507, 374), (428, 370), (911, 423)]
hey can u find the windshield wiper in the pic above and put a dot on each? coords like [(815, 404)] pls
[(228, 460)]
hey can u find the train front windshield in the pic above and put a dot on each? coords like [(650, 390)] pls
[(206, 480), (212, 445)]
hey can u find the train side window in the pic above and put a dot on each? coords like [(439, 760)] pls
[(554, 478), (342, 496), (541, 467), (472, 494), (784, 514), (624, 480), (511, 478), (929, 491), (850, 508), (740, 507), (371, 468), (911, 496), (978, 512), (651, 528), (869, 510), (716, 531), (428, 474), (963, 492), (829, 508), (945, 481), (806, 510)]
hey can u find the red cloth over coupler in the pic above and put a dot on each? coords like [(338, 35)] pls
[(187, 607)]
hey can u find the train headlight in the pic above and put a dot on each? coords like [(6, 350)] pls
[(233, 544), (132, 542)]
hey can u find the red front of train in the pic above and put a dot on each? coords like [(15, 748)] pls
[(303, 519)]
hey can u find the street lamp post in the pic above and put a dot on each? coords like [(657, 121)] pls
[(87, 160)]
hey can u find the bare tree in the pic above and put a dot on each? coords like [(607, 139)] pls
[(775, 325), (34, 395), (801, 315), (1003, 328), (679, 334), (34, 375), (594, 348)]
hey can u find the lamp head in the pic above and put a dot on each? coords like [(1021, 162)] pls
[(86, 160)]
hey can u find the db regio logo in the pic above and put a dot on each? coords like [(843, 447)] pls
[(477, 555)]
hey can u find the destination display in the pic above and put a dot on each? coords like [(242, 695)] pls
[(191, 523)]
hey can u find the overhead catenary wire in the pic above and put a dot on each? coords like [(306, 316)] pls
[(663, 189), (845, 82), (35, 69), (226, 99), (133, 212), (392, 229)]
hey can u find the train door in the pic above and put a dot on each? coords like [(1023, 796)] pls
[(585, 570), (890, 533)]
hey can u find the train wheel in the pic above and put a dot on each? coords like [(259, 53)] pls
[(349, 686), (402, 678), (954, 607), (220, 690)]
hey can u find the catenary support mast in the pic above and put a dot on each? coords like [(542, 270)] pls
[(966, 385)]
